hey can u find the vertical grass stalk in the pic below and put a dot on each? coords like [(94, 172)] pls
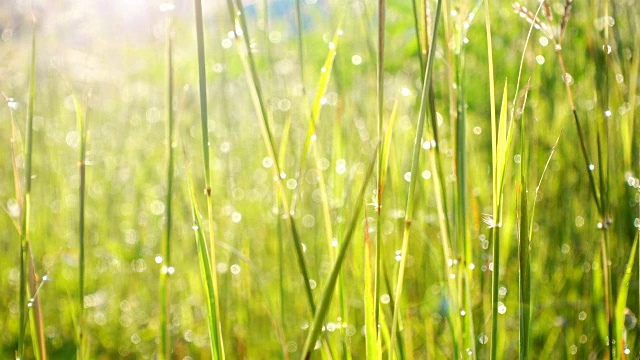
[(216, 335), (26, 201), (165, 313), (417, 145)]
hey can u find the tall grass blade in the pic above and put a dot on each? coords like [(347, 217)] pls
[(621, 300), (165, 336), (369, 293), (415, 160), (206, 272), (35, 315), (327, 292), (204, 122), (257, 98), (26, 201), (381, 162), (82, 151)]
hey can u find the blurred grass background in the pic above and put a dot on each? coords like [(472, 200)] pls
[(112, 53)]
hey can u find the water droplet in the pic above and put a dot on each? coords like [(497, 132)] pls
[(195, 227), (171, 270), (573, 349), (477, 130), (407, 176), (469, 352), (340, 32), (483, 339), (607, 113), (463, 313), (405, 91), (334, 242), (385, 299), (540, 59), (583, 339), (452, 276), (579, 221), (267, 162), (356, 60), (426, 174), (158, 259), (544, 41), (591, 167), (45, 278), (627, 351), (398, 255), (472, 266), (312, 284), (582, 316), (235, 269), (323, 69), (501, 308), (502, 291), (606, 49)]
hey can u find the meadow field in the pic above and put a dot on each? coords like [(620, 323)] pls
[(295, 179)]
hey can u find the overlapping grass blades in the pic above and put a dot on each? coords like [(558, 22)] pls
[(251, 73), (327, 292), (26, 199), (211, 273), (415, 159), (206, 271)]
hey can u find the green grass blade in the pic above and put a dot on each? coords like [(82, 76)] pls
[(327, 293), (621, 301), (524, 243), (257, 98), (26, 202), (415, 159), (35, 315), (206, 272), (316, 108), (82, 132), (165, 336), (369, 294)]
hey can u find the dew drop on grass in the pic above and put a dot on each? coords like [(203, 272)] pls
[(582, 316), (607, 113), (579, 221), (45, 278), (312, 284), (158, 259), (356, 60), (583, 339), (195, 227), (267, 162), (426, 174), (477, 130), (405, 91), (385, 299), (627, 351), (543, 41), (573, 349), (502, 291), (483, 339), (463, 313), (235, 269), (469, 352), (501, 308), (540, 59), (591, 167), (407, 176), (171, 270)]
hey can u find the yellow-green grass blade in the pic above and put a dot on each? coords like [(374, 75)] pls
[(206, 272), (257, 98), (164, 351), (82, 132), (369, 293), (621, 301), (26, 202), (35, 315), (327, 293), (415, 160)]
